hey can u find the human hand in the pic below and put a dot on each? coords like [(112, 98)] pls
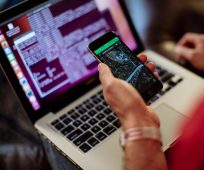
[(191, 48), (125, 100)]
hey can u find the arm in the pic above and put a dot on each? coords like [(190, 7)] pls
[(132, 112)]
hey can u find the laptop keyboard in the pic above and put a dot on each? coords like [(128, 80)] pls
[(88, 124), (169, 81), (92, 121)]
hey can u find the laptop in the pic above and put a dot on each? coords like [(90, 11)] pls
[(44, 56)]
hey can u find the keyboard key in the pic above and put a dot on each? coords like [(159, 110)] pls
[(74, 115), (104, 104), (89, 105), (161, 93), (67, 130), (85, 127), (96, 100), (109, 129), (117, 123), (179, 80), (165, 86), (67, 121), (85, 147), (100, 116), (100, 93), (166, 77), (82, 110), (162, 72), (77, 123), (94, 96), (79, 106), (63, 117), (70, 112), (107, 111), (93, 142), (86, 101), (171, 83), (85, 118), (103, 123), (99, 107), (74, 134), (54, 122), (83, 138), (93, 121), (96, 129), (153, 99), (59, 126), (101, 97), (92, 112), (167, 89), (101, 136), (176, 79), (110, 118)]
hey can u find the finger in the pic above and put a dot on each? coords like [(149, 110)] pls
[(105, 75), (184, 52), (142, 57), (151, 66), (156, 74), (189, 38)]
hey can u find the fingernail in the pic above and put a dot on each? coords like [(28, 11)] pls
[(99, 66)]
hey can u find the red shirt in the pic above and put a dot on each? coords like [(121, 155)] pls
[(188, 153)]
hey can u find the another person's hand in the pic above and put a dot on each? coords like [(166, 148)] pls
[(191, 48), (125, 100)]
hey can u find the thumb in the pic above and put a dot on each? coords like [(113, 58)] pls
[(184, 52), (105, 74)]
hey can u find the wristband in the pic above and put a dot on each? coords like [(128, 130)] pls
[(139, 133)]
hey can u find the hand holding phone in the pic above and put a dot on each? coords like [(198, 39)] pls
[(110, 50)]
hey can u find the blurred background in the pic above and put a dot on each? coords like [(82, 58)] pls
[(160, 24)]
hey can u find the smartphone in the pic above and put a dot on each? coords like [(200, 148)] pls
[(124, 64)]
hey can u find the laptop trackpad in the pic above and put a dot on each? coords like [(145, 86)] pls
[(170, 120)]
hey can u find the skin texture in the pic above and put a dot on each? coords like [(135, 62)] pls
[(133, 112), (191, 48)]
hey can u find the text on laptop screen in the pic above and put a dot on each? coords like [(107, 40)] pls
[(47, 47)]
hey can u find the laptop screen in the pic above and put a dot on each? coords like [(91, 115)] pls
[(47, 47)]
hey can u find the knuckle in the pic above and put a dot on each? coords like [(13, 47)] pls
[(109, 88)]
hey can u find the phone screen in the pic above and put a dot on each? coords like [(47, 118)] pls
[(125, 65)]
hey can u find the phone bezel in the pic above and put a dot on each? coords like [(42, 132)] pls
[(150, 92)]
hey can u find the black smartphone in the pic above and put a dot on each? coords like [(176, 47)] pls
[(124, 64)]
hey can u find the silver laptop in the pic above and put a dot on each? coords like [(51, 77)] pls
[(44, 55)]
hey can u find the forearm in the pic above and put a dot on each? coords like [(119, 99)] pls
[(143, 155)]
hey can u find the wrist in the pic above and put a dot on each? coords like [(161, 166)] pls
[(140, 133), (134, 120)]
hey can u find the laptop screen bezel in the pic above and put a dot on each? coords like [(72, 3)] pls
[(70, 95), (18, 9)]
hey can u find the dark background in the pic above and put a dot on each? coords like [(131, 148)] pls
[(4, 4)]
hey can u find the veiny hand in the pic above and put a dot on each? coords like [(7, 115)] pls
[(191, 48), (125, 100)]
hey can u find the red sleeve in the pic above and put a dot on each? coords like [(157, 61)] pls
[(188, 154)]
